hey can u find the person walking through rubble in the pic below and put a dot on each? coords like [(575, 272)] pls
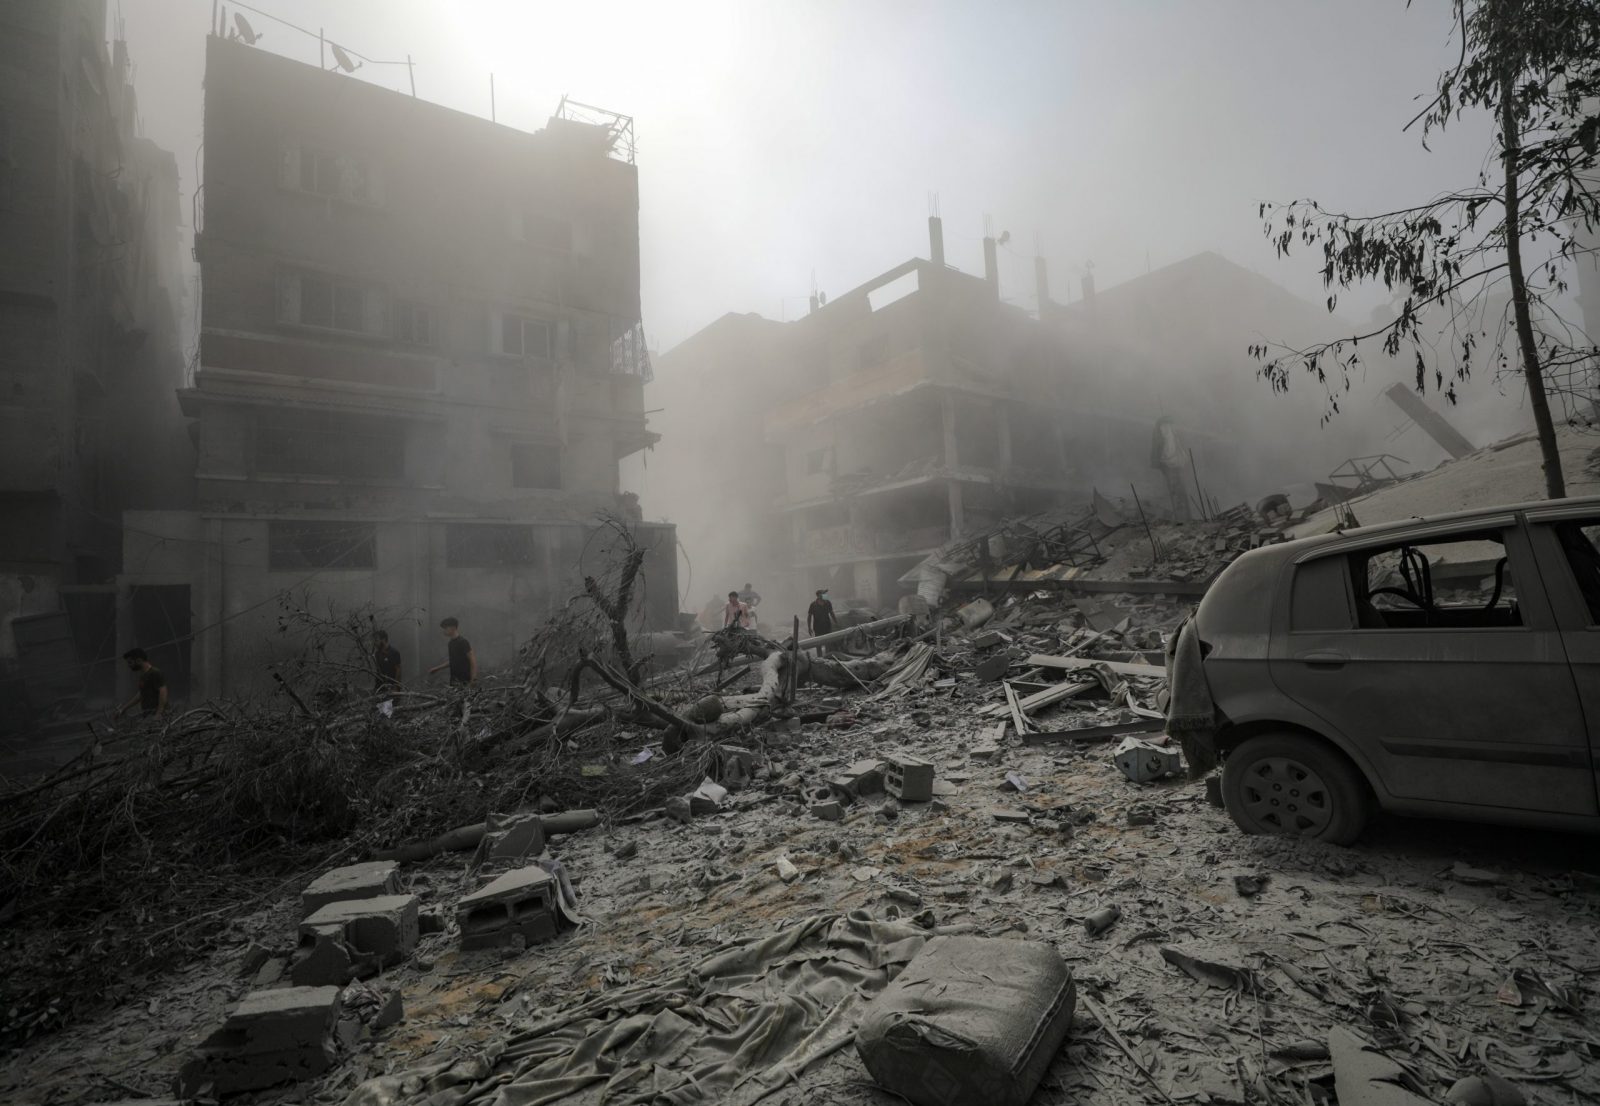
[(819, 616), (152, 693), (750, 597), (463, 662), (385, 663), (736, 613)]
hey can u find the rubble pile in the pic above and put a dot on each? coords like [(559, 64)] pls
[(743, 913)]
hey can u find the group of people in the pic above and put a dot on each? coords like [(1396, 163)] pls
[(459, 658), (151, 696), (741, 605)]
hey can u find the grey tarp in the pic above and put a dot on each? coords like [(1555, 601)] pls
[(742, 1023)]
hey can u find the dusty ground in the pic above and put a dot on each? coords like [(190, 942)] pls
[(1390, 938)]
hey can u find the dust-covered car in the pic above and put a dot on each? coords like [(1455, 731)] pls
[(1445, 666)]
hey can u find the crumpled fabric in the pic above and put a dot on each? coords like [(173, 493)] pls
[(744, 1022), (1191, 711)]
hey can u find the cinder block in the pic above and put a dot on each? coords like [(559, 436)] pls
[(381, 931), (908, 779), (864, 777), (271, 1037), (518, 903), (355, 881)]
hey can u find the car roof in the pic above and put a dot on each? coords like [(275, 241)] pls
[(1423, 523)]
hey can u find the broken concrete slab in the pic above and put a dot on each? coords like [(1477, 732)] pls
[(518, 906), (353, 881), (908, 779), (992, 668), (380, 931), (271, 1037)]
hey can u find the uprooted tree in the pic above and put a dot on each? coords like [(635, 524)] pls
[(1535, 65)]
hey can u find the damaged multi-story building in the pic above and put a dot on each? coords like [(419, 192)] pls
[(884, 423), (91, 286), (421, 360)]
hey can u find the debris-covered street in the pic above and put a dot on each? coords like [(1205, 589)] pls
[(959, 554), (1210, 966)]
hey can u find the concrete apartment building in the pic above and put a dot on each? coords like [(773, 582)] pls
[(420, 363), (925, 408), (90, 283)]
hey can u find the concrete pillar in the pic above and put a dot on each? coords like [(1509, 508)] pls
[(952, 458), (991, 266), (1003, 428), (936, 241), (958, 520)]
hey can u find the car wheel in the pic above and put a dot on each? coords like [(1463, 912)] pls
[(1295, 787)]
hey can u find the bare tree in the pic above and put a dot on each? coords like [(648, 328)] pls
[(1535, 64)]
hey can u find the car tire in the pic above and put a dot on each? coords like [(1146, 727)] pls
[(1295, 786)]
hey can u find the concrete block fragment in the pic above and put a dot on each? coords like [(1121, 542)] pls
[(271, 1037), (735, 766), (829, 811), (354, 881), (510, 838), (380, 931), (520, 905), (908, 779), (325, 962), (864, 777), (1142, 761)]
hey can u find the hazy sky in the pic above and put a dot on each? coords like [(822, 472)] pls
[(778, 140)]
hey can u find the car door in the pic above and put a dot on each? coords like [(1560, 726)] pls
[(1466, 699), (1567, 543)]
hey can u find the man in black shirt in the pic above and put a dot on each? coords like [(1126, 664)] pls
[(463, 662), (152, 694), (385, 662), (819, 616)]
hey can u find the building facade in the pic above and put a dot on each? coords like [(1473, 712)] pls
[(90, 356), (930, 409), (420, 363)]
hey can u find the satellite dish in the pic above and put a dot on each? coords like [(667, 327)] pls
[(1005, 236), (245, 32), (344, 59)]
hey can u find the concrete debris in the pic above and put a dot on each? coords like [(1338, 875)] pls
[(519, 906), (1144, 761), (510, 838), (380, 931), (908, 779), (355, 881), (271, 1037), (889, 818)]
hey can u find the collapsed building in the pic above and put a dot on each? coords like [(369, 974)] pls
[(921, 408), (90, 289), (414, 385)]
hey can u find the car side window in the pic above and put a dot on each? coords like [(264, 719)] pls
[(1580, 541), (1464, 582)]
